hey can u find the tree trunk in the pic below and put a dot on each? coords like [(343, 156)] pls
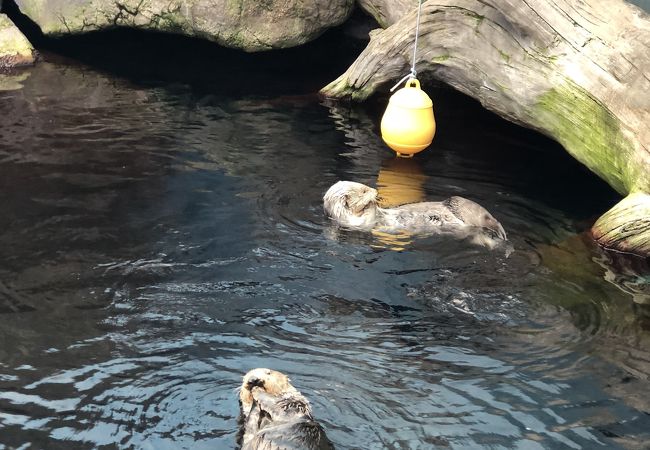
[(575, 70)]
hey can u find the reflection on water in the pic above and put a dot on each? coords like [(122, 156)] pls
[(159, 240), (631, 275), (11, 82), (400, 181)]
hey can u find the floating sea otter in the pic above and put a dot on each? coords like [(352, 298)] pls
[(355, 205), (275, 416)]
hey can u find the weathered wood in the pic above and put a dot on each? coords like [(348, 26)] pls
[(626, 227), (575, 70), (387, 12)]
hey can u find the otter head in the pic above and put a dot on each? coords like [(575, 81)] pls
[(351, 204), (474, 215), (270, 381)]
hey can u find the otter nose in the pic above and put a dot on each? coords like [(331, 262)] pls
[(254, 381)]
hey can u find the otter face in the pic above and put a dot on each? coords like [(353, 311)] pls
[(474, 215), (351, 204), (270, 381), (494, 225), (274, 415)]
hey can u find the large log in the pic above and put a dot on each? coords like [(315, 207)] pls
[(575, 70), (387, 12)]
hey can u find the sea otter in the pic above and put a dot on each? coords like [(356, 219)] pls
[(355, 205), (275, 416)]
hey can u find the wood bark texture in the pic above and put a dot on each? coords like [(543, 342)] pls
[(387, 12), (575, 70)]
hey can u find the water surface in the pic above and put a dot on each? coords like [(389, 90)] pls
[(160, 237), (643, 4)]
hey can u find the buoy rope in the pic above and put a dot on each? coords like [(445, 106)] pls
[(413, 73)]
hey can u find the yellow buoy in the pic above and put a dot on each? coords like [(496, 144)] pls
[(408, 124)]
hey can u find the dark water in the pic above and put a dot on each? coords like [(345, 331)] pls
[(160, 238), (643, 4)]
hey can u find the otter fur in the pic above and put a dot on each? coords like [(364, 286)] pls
[(276, 416), (356, 206)]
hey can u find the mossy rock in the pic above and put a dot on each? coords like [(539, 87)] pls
[(15, 49)]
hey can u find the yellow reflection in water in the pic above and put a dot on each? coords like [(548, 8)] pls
[(400, 181), (392, 241)]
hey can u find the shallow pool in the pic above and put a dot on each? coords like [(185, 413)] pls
[(160, 238)]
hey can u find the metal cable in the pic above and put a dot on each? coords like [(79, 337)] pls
[(413, 73)]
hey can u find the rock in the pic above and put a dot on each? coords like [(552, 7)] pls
[(575, 70), (15, 49), (243, 24)]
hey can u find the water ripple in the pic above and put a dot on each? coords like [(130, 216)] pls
[(159, 240)]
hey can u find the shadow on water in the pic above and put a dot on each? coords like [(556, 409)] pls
[(162, 235), (163, 58)]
